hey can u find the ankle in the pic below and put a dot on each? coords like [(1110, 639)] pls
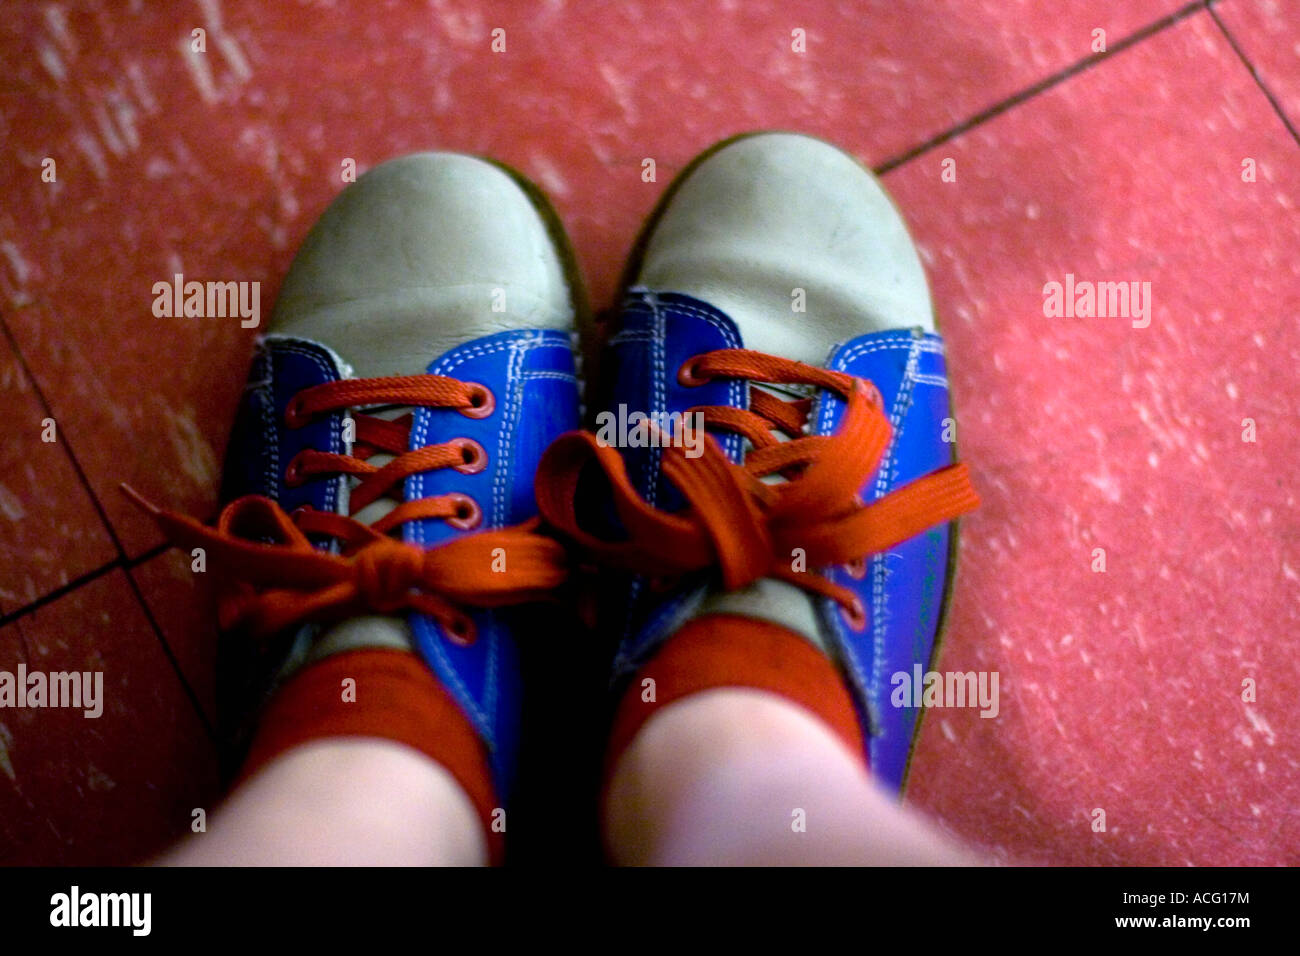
[(730, 763)]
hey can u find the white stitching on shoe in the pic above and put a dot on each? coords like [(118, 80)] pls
[(336, 437), (649, 302), (513, 405), (736, 388), (561, 376), (867, 685), (658, 399), (924, 378), (447, 364), (904, 340), (885, 478), (519, 346)]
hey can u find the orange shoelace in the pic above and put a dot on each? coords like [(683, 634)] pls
[(749, 528), (270, 587)]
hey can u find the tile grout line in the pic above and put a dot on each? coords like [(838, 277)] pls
[(122, 560), (1254, 73), (153, 622), (49, 597), (1041, 86), (67, 445), (126, 565), (62, 590)]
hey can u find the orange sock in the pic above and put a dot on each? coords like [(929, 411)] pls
[(394, 697), (724, 650)]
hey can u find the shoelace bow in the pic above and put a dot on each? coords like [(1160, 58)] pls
[(268, 587), (747, 527)]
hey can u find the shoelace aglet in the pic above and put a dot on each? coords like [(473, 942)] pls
[(139, 500)]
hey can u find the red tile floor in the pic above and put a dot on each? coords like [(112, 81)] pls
[(1121, 690)]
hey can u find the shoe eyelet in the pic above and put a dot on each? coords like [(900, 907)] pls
[(460, 630), (688, 374), (855, 615), (468, 514), (293, 476), (857, 568), (294, 416), (473, 456), (482, 402)]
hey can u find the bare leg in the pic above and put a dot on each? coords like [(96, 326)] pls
[(343, 801), (728, 776)]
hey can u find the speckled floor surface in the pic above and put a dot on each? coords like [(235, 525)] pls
[(1171, 159)]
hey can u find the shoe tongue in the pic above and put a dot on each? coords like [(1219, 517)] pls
[(383, 505), (767, 599), (408, 346), (787, 391), (777, 602), (770, 599)]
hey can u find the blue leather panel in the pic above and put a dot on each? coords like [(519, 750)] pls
[(531, 375), (262, 445), (658, 333), (903, 588)]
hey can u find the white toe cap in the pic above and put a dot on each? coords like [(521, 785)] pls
[(770, 213), (421, 254)]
